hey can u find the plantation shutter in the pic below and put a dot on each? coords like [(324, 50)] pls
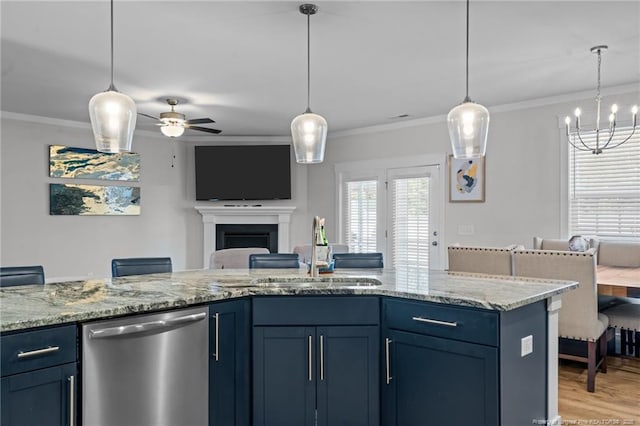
[(360, 215), (409, 221), (604, 189)]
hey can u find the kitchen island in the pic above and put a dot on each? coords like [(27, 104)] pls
[(492, 311)]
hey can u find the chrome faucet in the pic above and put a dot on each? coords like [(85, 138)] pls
[(315, 236)]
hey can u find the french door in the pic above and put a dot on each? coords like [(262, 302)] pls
[(394, 209)]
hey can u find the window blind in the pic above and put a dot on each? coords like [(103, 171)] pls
[(410, 222), (604, 189), (360, 215)]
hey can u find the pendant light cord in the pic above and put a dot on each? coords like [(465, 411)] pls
[(308, 63), (467, 99), (111, 86)]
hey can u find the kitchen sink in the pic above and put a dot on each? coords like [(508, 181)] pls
[(316, 282)]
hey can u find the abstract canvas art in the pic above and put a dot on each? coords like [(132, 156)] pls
[(466, 179), (70, 199), (82, 163)]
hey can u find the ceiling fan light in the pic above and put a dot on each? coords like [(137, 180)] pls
[(172, 131), (113, 120), (309, 133), (468, 130)]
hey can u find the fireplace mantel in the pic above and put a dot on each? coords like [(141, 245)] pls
[(213, 215)]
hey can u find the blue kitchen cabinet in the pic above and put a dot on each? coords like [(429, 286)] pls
[(435, 381), (315, 361), (39, 371), (449, 365), (229, 366)]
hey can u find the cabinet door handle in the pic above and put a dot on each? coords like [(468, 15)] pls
[(310, 359), (72, 392), (437, 322), (321, 357), (387, 342), (38, 352), (217, 348)]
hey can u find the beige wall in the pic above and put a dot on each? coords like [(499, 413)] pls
[(524, 172), (523, 194)]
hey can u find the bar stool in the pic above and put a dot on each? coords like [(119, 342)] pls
[(21, 275), (140, 266), (274, 261)]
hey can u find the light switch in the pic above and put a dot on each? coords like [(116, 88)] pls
[(526, 345), (466, 230)]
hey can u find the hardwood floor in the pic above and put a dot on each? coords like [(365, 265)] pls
[(616, 400)]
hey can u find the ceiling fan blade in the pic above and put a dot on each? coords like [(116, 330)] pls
[(149, 116), (199, 121), (203, 129)]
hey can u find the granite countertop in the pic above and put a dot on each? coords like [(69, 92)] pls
[(65, 302)]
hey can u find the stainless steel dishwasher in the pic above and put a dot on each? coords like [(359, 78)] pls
[(147, 370)]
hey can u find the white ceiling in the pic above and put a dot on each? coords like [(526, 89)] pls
[(244, 63)]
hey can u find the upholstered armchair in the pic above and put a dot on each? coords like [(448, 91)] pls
[(482, 260), (558, 244), (580, 327), (234, 258)]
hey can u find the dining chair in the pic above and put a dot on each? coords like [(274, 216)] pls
[(21, 275), (582, 330), (358, 260), (274, 261), (234, 258), (305, 251), (626, 318), (140, 266), (482, 260)]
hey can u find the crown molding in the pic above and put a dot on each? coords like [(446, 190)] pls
[(531, 103)]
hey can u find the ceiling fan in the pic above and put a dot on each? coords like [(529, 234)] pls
[(172, 123)]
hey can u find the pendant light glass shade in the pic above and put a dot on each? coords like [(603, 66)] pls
[(309, 132), (112, 115), (468, 129), (468, 122), (113, 120)]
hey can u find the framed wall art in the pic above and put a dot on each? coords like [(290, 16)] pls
[(83, 163), (466, 179), (93, 200)]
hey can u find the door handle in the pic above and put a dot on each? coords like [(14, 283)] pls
[(387, 342), (435, 243), (37, 352), (437, 322), (145, 326), (321, 357), (310, 359), (217, 341), (72, 392)]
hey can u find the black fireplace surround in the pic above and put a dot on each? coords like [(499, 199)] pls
[(247, 235)]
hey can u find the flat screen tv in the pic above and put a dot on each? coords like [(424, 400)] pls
[(243, 172)]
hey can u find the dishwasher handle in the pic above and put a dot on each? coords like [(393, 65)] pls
[(144, 327)]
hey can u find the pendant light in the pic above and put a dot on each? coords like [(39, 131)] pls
[(309, 130), (113, 115), (468, 122)]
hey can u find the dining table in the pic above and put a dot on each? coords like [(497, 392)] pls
[(618, 281)]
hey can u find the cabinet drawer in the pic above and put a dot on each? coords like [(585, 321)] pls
[(32, 350), (451, 322), (311, 310)]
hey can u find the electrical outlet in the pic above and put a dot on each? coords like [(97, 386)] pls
[(466, 230), (526, 345)]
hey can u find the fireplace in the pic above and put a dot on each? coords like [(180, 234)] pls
[(214, 216), (247, 235)]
